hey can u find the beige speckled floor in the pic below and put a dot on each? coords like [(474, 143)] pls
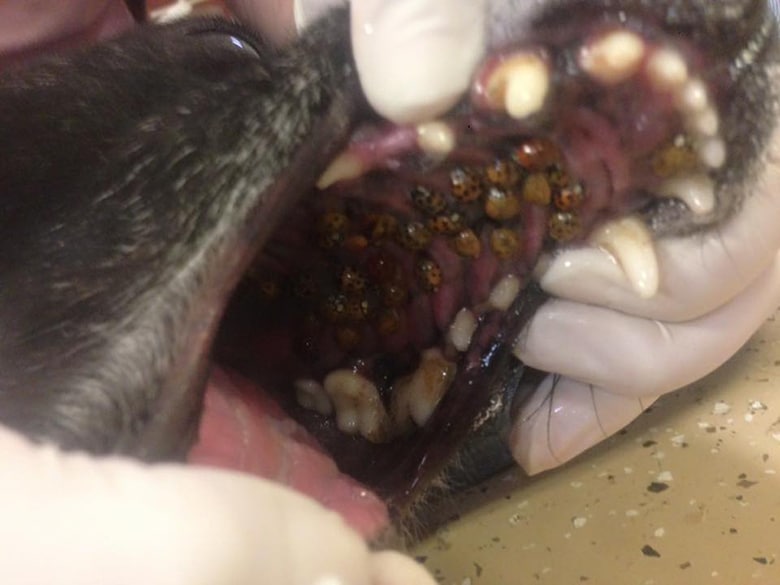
[(689, 493)]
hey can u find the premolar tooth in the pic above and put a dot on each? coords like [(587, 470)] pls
[(436, 138), (614, 57), (667, 69), (693, 97), (462, 329), (520, 85), (704, 123), (504, 293), (696, 191), (631, 244), (418, 395), (712, 152), (359, 408), (311, 395), (345, 166)]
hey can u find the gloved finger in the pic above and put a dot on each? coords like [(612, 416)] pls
[(639, 357), (696, 274), (25, 25), (416, 58), (564, 418), (115, 521)]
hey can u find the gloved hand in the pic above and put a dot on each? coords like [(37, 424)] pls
[(74, 519), (615, 352)]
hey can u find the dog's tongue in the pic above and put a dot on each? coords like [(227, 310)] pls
[(243, 429)]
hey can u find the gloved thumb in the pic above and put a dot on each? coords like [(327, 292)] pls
[(415, 58)]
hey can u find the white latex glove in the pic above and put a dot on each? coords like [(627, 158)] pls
[(617, 352), (415, 58), (73, 519)]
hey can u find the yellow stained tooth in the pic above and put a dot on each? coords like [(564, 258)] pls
[(418, 395), (697, 191), (311, 395), (359, 408), (667, 69), (436, 138), (614, 57), (462, 329), (345, 166), (520, 85), (712, 152), (631, 244), (504, 293), (693, 97)]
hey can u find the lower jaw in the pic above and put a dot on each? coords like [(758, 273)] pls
[(243, 429)]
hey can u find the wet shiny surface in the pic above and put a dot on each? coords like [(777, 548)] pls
[(689, 493)]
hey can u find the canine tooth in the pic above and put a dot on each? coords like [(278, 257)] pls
[(344, 166), (311, 395), (693, 96), (462, 328), (359, 408), (712, 152), (520, 85), (436, 138), (705, 122), (614, 57), (631, 244), (696, 191), (667, 69), (504, 293), (419, 394)]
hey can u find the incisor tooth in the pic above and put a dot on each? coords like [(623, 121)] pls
[(311, 395), (693, 97), (436, 138), (712, 152), (344, 166), (462, 329), (419, 394), (667, 69), (629, 241), (504, 293), (696, 191), (520, 85), (704, 123), (359, 408), (614, 57)]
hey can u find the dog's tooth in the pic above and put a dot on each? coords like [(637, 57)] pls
[(712, 152), (693, 97), (631, 244), (312, 396), (667, 69), (345, 166), (359, 408), (613, 57), (418, 394), (519, 85), (697, 191), (436, 138), (462, 329), (504, 293), (705, 123)]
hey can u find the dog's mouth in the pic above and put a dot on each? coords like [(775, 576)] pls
[(382, 315)]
